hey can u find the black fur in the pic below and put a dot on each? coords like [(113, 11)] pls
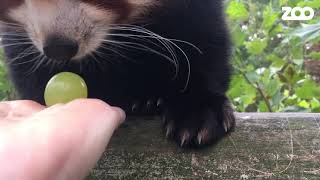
[(196, 116)]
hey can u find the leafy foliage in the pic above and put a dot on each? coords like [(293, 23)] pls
[(6, 90), (269, 57)]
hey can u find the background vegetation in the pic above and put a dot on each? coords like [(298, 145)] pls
[(6, 89), (270, 58)]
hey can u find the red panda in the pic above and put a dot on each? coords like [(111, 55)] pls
[(165, 56)]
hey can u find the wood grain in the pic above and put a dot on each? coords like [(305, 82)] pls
[(263, 146)]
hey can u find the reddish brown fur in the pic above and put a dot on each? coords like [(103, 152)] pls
[(5, 5), (122, 7)]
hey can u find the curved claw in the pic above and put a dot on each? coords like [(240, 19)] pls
[(185, 138), (203, 136), (169, 129), (135, 107), (226, 126), (149, 104), (160, 103), (199, 139)]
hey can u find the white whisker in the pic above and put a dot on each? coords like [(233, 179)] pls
[(136, 37), (168, 43), (102, 55), (15, 39), (99, 63), (15, 44), (9, 23), (140, 47), (37, 65), (116, 52), (23, 54), (25, 62), (14, 34)]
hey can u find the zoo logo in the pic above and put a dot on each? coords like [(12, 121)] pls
[(290, 14)]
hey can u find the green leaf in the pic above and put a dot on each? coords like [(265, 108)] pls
[(257, 46), (297, 50), (315, 103), (313, 4), (247, 99), (269, 18), (282, 78), (307, 32), (304, 104), (253, 77), (273, 57), (283, 2), (277, 62), (308, 90), (292, 100), (286, 93), (276, 100), (272, 87), (236, 87), (263, 106), (314, 55), (240, 87), (237, 11), (238, 37), (276, 30), (241, 92)]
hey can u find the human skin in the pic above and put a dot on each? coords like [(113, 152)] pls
[(62, 142)]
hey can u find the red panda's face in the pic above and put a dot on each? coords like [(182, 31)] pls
[(80, 25)]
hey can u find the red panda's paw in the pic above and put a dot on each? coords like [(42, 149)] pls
[(200, 126), (147, 106)]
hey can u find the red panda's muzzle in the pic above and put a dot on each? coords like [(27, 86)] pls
[(65, 29), (60, 48)]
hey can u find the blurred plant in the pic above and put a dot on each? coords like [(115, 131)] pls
[(6, 90), (269, 57)]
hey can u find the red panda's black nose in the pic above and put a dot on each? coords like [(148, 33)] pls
[(60, 48)]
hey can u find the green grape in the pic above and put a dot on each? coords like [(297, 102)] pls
[(65, 87)]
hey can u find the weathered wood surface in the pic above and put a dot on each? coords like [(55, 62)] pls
[(263, 146)]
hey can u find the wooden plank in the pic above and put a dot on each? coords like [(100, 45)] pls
[(263, 146)]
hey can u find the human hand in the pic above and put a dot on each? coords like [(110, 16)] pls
[(62, 142)]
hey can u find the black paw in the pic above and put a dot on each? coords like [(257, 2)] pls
[(198, 126), (146, 106)]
